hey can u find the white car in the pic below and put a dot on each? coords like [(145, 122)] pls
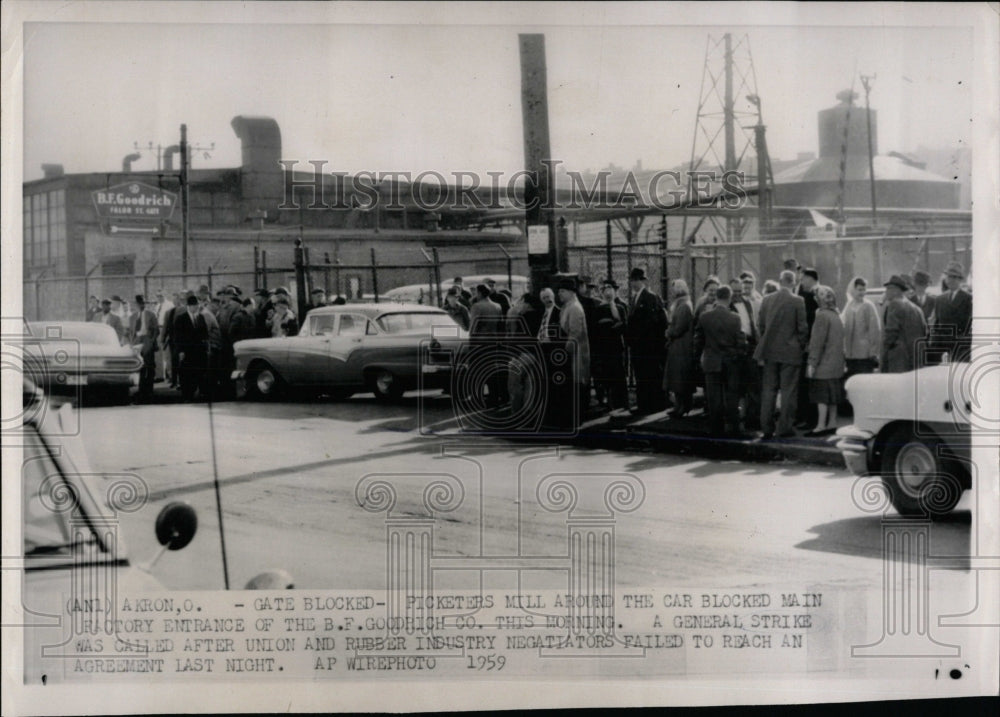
[(913, 430)]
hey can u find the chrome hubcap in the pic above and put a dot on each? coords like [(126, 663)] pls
[(265, 381), (915, 466), (384, 382)]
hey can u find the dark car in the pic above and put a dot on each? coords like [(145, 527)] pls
[(73, 358), (383, 348)]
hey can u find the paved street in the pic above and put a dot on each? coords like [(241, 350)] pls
[(288, 474)]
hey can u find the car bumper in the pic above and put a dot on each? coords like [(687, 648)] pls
[(435, 375), (74, 382), (854, 445)]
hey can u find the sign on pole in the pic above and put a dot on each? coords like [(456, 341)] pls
[(538, 239)]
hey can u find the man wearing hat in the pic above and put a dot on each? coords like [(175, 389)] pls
[(720, 343), (607, 347), (111, 319), (573, 324), (317, 298), (920, 297), (904, 328), (464, 295), (190, 335), (263, 309), (645, 335), (144, 331), (497, 298), (953, 316)]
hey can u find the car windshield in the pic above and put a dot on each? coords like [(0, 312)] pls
[(85, 333), (404, 322), (48, 500)]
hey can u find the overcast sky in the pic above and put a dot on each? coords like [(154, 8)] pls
[(408, 97)]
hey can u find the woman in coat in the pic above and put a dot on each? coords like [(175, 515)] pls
[(862, 329), (679, 377), (825, 369)]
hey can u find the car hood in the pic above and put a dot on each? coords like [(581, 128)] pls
[(932, 394)]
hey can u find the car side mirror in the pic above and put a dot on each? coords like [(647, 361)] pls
[(176, 525)]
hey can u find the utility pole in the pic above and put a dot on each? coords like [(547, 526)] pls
[(185, 197), (765, 180), (866, 81), (544, 255)]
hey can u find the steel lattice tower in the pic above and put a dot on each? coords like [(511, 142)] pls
[(729, 127)]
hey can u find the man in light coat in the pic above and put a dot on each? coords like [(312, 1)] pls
[(573, 323)]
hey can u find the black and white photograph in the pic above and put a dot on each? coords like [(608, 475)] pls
[(472, 356)]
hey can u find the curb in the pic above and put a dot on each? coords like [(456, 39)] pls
[(658, 437)]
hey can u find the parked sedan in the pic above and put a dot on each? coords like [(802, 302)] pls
[(76, 357), (347, 349), (912, 429)]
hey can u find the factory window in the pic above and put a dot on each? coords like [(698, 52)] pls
[(45, 228)]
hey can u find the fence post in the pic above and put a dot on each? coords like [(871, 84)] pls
[(437, 275), (628, 251), (664, 283), (145, 281), (256, 268), (298, 260), (510, 268), (86, 286), (878, 261), (326, 274), (38, 296), (374, 276), (431, 293), (263, 268), (607, 247), (210, 281)]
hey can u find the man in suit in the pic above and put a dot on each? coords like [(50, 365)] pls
[(145, 331), (748, 375), (784, 335), (110, 319), (607, 349), (93, 308), (721, 343), (573, 324), (920, 297), (953, 316), (190, 335), (904, 328), (464, 295), (497, 298), (645, 335)]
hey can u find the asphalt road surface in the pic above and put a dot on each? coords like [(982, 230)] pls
[(289, 476)]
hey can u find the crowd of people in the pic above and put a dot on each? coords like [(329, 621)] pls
[(744, 348), (193, 333), (770, 364)]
